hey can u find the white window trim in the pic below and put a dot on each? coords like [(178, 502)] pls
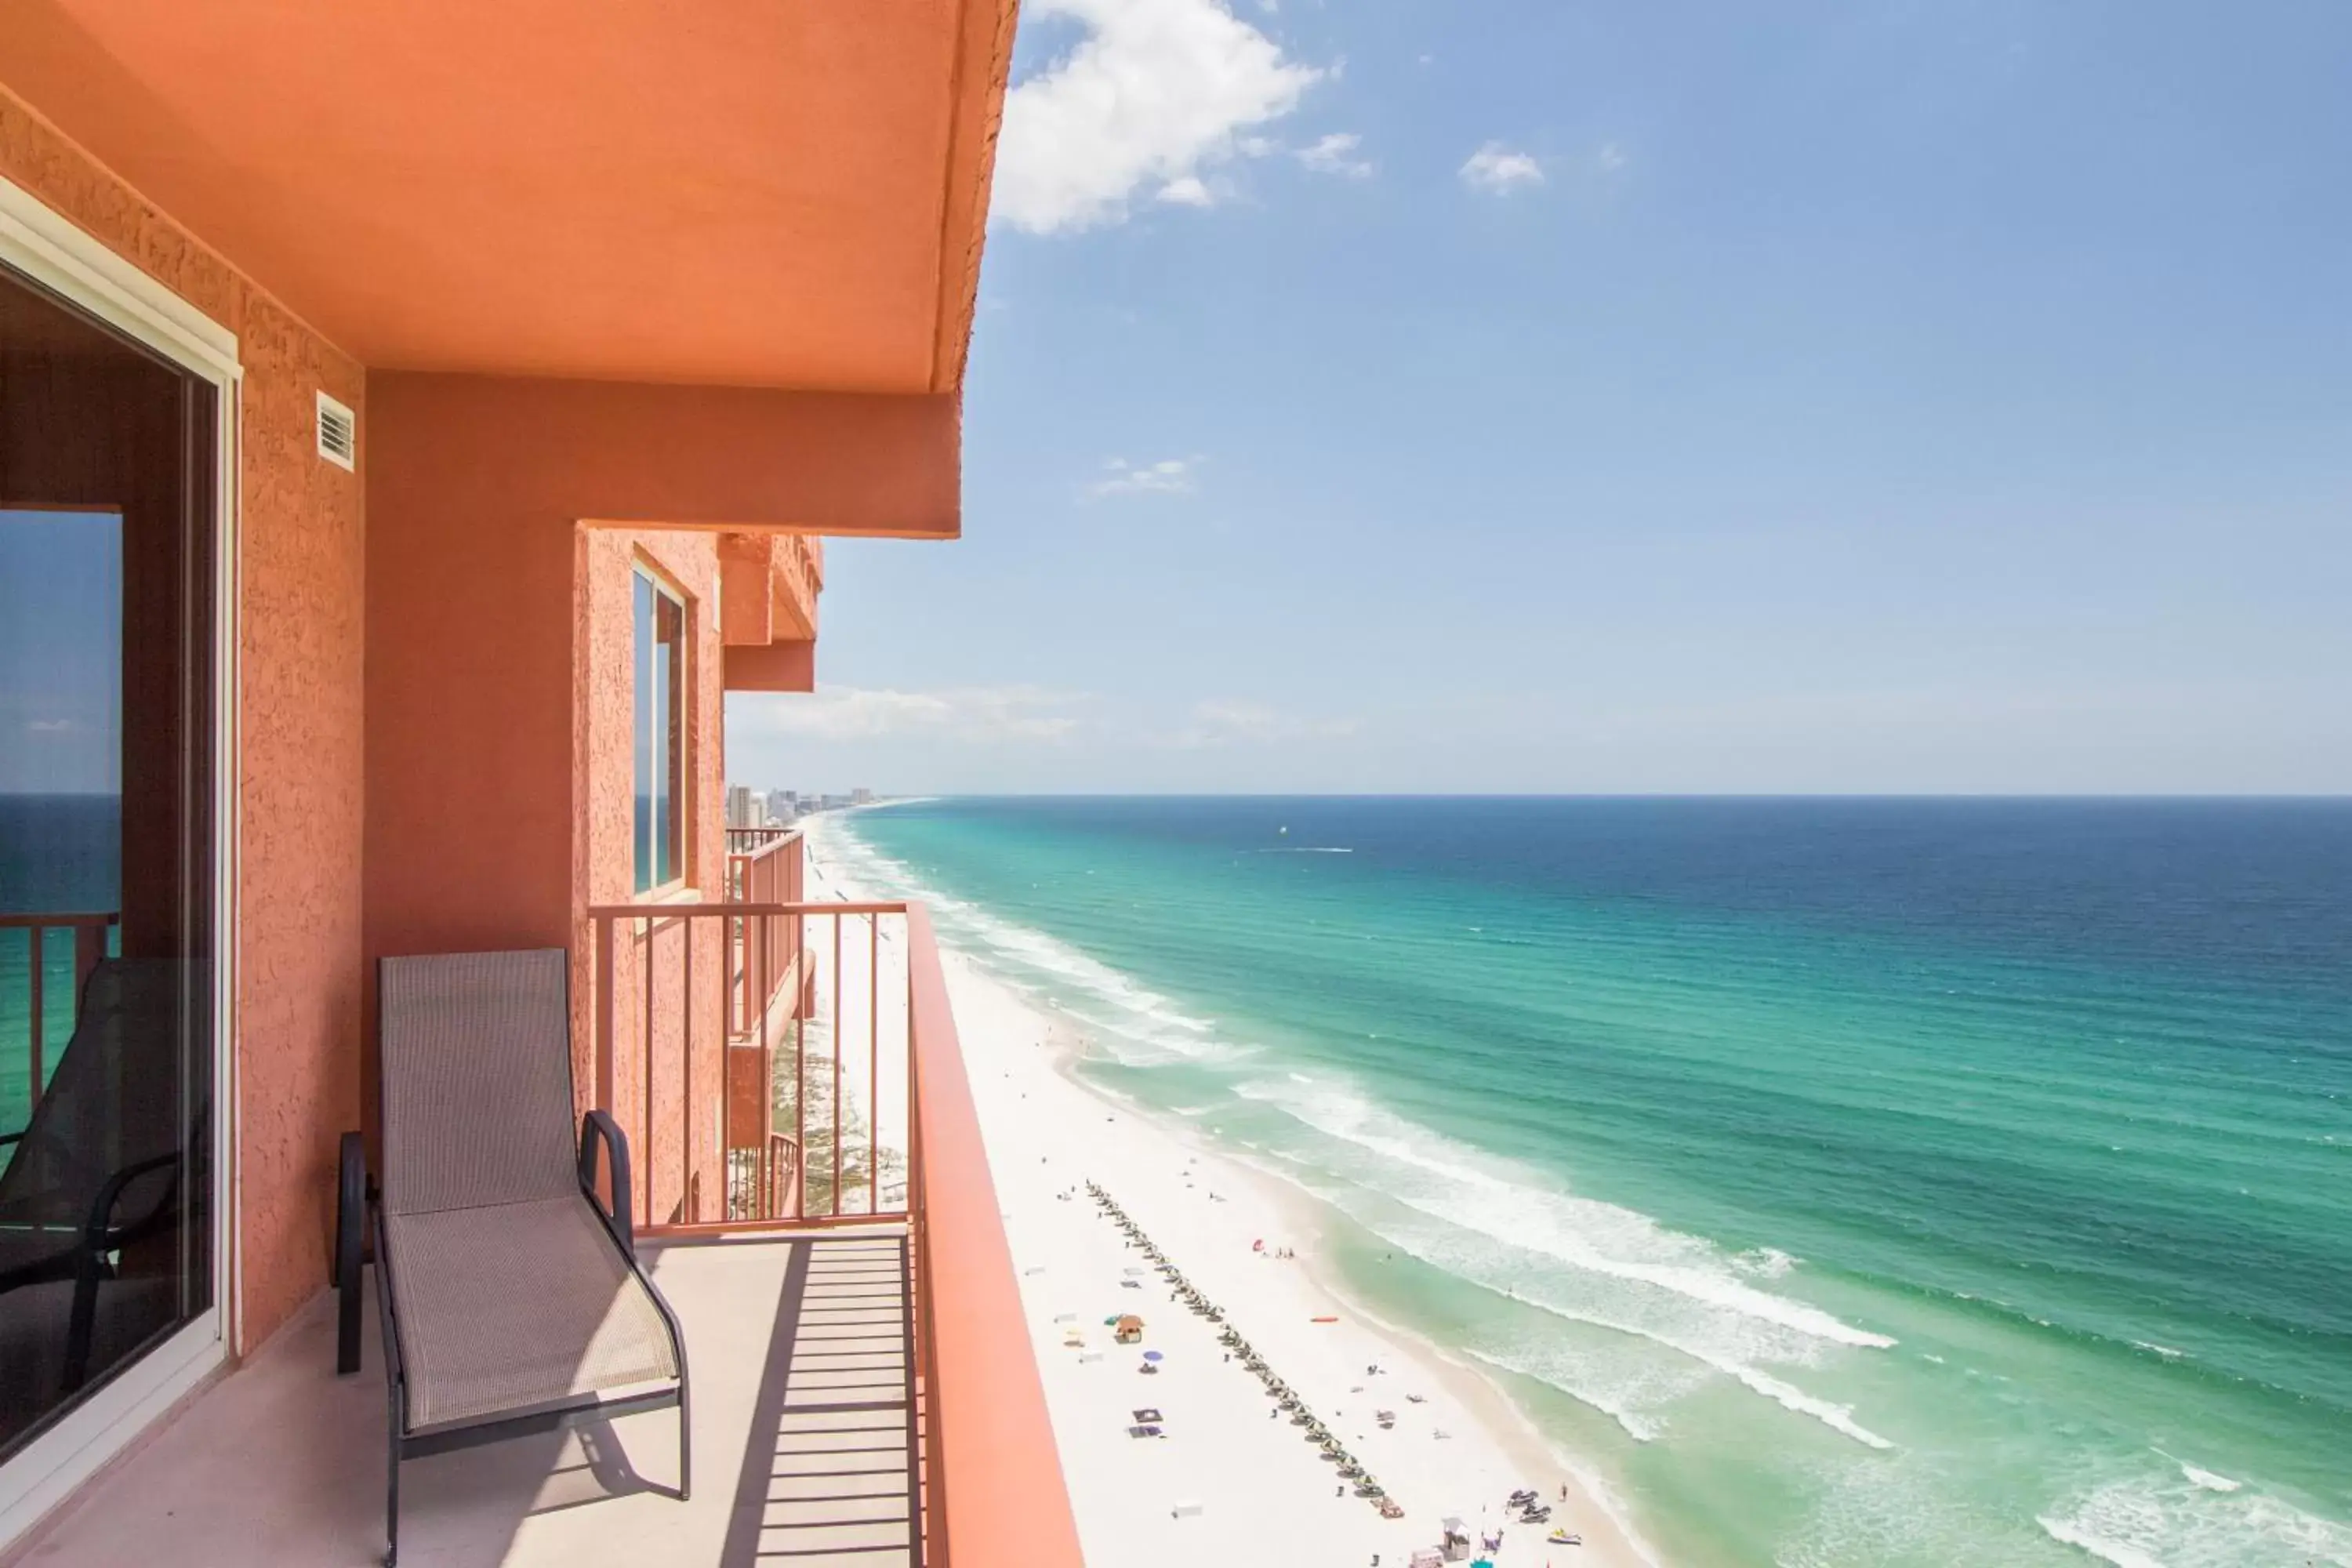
[(40, 245)]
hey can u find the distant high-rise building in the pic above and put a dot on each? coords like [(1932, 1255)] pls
[(861, 797), (739, 806), (782, 805)]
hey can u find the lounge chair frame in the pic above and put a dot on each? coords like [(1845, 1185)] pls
[(360, 1222)]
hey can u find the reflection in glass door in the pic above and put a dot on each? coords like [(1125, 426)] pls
[(107, 855)]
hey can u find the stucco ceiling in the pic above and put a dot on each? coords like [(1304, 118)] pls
[(773, 192)]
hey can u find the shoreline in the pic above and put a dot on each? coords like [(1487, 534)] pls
[(1227, 1482), (1609, 1540), (1491, 1404)]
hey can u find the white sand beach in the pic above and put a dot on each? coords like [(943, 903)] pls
[(1231, 1480)]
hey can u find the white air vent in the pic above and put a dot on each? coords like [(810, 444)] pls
[(338, 433)]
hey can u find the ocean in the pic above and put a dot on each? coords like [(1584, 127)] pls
[(1841, 1182)]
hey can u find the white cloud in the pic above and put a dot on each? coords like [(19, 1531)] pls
[(973, 714), (1158, 91), (1169, 476), (1609, 159), (1336, 155), (51, 726), (1224, 723), (1496, 168)]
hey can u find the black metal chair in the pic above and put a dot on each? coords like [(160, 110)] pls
[(99, 1164)]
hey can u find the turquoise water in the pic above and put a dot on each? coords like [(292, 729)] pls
[(58, 853), (1895, 1183)]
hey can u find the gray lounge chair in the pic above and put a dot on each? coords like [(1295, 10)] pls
[(510, 1297)]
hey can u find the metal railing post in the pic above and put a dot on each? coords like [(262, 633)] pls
[(34, 1020)]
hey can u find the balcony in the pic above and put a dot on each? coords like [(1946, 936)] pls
[(814, 1201)]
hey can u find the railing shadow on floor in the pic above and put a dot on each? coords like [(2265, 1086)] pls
[(831, 1467)]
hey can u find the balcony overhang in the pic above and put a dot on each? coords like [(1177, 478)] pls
[(726, 193), (716, 459), (768, 587), (787, 666)]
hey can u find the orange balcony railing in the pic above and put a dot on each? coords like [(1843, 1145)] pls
[(757, 1056), (742, 843), (766, 955), (85, 935), (992, 1490), (846, 1102)]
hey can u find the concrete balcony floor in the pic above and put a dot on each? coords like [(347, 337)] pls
[(804, 1444)]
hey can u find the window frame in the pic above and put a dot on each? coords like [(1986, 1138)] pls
[(646, 575), (48, 250)]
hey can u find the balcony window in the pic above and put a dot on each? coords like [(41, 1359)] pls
[(658, 671)]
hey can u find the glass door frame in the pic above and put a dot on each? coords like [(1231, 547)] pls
[(47, 250)]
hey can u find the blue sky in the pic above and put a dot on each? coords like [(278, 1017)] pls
[(1414, 396), (60, 653)]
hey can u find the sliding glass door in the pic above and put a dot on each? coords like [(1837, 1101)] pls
[(108, 856)]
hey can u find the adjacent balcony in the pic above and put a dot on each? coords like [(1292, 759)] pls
[(812, 1199), (39, 1000)]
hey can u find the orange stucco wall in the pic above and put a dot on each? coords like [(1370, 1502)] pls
[(303, 565), (677, 1151), (478, 488), (499, 684)]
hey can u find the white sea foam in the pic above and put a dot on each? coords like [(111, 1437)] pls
[(1580, 1261), (1525, 1209), (1638, 1424), (2160, 1522), (1138, 1025), (1715, 1357), (2122, 1553), (2201, 1478), (1838, 1419), (1763, 1262)]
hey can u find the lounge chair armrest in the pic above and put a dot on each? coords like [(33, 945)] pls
[(350, 1236), (12, 1137), (598, 1127), (98, 1233)]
